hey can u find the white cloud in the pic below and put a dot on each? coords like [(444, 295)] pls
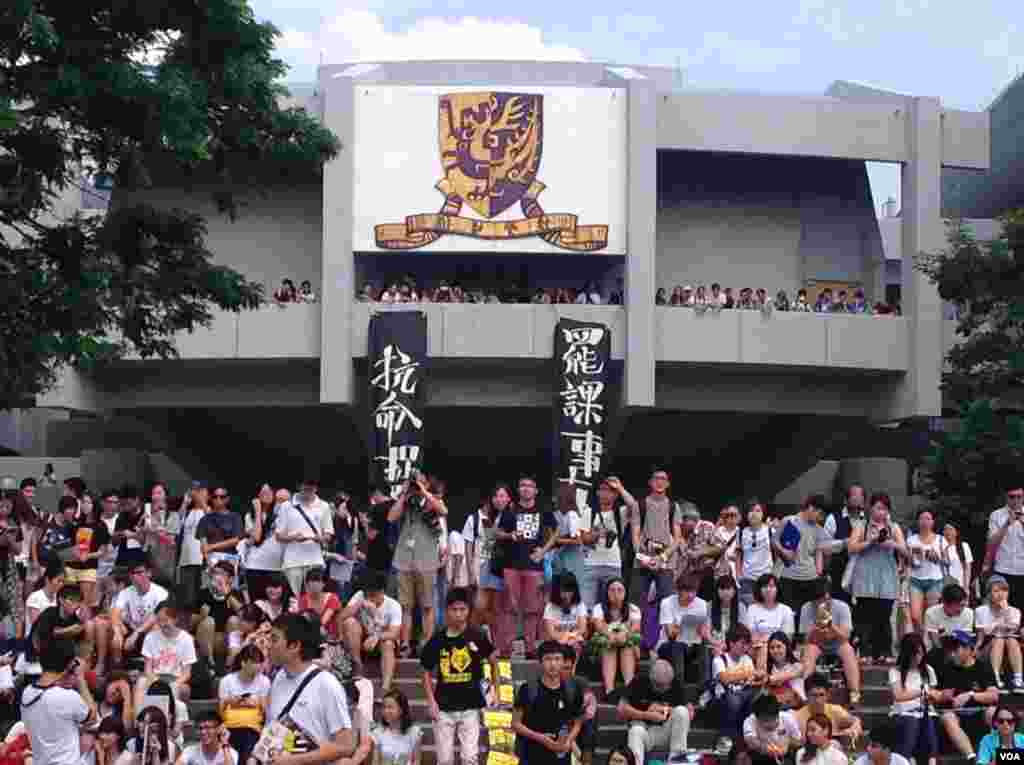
[(354, 35)]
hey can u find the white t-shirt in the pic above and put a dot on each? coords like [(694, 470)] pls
[(458, 570), (1010, 553), (912, 708), (191, 548), (635, 615), (397, 748), (52, 722), (40, 601), (388, 615), (1004, 621), (762, 622), (170, 656), (135, 607), (689, 618), (193, 755), (723, 662), (321, 710), (270, 555), (956, 568), (926, 569), (756, 548), (830, 755), (600, 554), (936, 621), (787, 728), (894, 759), (308, 553), (565, 621), (232, 685)]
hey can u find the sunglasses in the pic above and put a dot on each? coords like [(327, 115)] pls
[(1006, 721)]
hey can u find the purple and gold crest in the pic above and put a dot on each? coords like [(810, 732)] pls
[(490, 145)]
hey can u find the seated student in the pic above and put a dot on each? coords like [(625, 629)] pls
[(253, 629), (827, 622), (616, 636), (244, 695), (844, 725), (159, 697), (154, 731), (218, 607), (770, 733), (736, 681), (685, 627), (654, 707), (110, 743), (39, 601), (820, 749), (213, 747), (784, 675), (325, 604), (133, 613), (277, 600), (969, 687), (64, 622), (917, 735), (565, 617), (548, 711), (951, 613), (998, 627), (881, 747), (1002, 738), (170, 652), (371, 622), (116, 699)]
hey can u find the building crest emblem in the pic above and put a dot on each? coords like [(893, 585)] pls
[(490, 145)]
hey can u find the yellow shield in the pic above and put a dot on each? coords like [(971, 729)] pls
[(490, 147)]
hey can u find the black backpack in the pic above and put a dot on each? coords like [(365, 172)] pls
[(573, 695)]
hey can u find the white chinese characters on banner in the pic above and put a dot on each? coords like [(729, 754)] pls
[(396, 374)]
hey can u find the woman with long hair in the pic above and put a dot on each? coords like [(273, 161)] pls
[(617, 636), (767, 616), (479, 535), (875, 581), (913, 685), (110, 743), (264, 554), (565, 616), (785, 678), (755, 550), (958, 559), (1003, 738), (926, 558), (820, 749), (621, 755), (397, 741), (154, 732), (569, 555), (244, 695), (726, 612), (998, 627)]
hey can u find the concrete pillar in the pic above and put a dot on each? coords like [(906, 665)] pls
[(338, 287), (642, 212), (922, 231)]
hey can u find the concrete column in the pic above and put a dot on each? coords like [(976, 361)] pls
[(922, 231), (338, 287), (642, 212)]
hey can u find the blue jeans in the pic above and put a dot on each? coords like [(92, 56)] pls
[(595, 581), (733, 709), (440, 594), (917, 737)]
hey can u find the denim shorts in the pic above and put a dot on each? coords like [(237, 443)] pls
[(489, 581), (925, 586)]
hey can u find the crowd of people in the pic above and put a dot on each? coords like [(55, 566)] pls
[(408, 290), (716, 298), (288, 293), (120, 608)]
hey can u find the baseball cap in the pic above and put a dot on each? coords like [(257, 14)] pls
[(963, 638), (199, 485)]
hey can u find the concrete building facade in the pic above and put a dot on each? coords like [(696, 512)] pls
[(743, 189)]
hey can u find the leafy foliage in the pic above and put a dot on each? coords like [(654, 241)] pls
[(969, 468), (159, 89)]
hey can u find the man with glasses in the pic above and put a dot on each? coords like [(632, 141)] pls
[(656, 531), (219, 532), (130, 528), (1005, 554), (133, 613), (213, 747)]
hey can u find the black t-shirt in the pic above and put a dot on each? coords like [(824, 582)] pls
[(42, 631), (220, 609), (379, 551), (56, 539), (550, 714), (96, 535), (977, 677), (218, 527), (641, 694), (129, 552), (459, 662), (533, 527)]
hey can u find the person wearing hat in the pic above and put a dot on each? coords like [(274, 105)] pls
[(998, 626), (969, 689)]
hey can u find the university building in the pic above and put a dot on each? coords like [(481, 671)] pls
[(544, 174)]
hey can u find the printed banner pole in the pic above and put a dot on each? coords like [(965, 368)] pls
[(582, 359), (397, 356)]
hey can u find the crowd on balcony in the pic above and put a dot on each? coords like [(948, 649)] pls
[(716, 298), (288, 293), (120, 609), (408, 290)]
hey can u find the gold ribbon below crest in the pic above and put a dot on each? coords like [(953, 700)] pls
[(560, 229)]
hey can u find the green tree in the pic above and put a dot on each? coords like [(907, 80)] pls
[(968, 468), (136, 91)]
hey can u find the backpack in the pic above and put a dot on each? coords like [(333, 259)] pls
[(573, 695)]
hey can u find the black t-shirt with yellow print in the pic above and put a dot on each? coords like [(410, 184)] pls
[(459, 664)]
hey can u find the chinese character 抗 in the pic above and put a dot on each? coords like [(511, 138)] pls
[(397, 371)]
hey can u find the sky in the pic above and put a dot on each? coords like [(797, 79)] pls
[(961, 53)]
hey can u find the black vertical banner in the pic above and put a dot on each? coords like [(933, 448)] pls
[(397, 356), (582, 406)]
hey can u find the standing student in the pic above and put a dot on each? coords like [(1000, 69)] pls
[(548, 712), (457, 654), (190, 551), (265, 554)]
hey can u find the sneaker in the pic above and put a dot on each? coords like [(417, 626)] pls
[(1016, 686), (1000, 684), (723, 746)]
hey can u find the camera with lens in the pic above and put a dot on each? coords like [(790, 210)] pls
[(883, 534), (609, 538)]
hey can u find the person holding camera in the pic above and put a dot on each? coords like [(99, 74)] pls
[(601, 533), (875, 581), (418, 554), (1005, 553)]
